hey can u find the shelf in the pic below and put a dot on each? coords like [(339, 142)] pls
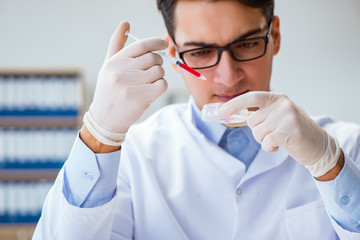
[(18, 219), (36, 97), (16, 225), (28, 174), (43, 165), (39, 122), (16, 231), (41, 111)]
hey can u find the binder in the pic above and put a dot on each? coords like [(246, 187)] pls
[(40, 95), (21, 202), (35, 148)]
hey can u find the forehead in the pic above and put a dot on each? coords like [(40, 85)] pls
[(214, 22)]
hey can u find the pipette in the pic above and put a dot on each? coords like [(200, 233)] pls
[(172, 60)]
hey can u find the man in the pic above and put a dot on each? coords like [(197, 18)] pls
[(181, 178)]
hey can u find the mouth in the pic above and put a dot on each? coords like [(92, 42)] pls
[(228, 96)]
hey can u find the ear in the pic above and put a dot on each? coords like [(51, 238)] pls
[(276, 34), (171, 50)]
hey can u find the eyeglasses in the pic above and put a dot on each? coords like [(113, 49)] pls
[(240, 50)]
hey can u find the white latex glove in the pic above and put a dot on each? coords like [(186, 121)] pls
[(279, 122), (130, 79)]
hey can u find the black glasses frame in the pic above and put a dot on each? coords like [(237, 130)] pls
[(228, 49)]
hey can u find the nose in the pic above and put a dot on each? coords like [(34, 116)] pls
[(228, 71)]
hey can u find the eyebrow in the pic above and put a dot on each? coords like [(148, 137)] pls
[(242, 36)]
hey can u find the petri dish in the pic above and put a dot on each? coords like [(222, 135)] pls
[(211, 113)]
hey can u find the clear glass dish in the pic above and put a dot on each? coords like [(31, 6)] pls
[(211, 113)]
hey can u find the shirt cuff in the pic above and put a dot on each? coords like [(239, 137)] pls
[(342, 196), (89, 178)]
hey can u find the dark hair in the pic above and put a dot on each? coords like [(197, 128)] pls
[(167, 8)]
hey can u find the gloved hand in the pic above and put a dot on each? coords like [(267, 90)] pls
[(279, 122), (130, 79)]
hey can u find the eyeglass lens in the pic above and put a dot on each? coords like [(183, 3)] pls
[(241, 51)]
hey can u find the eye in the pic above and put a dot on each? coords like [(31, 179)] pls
[(247, 44), (201, 53)]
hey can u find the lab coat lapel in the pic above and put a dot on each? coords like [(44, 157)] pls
[(231, 166), (265, 161)]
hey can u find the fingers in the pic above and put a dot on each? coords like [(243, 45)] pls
[(118, 39), (136, 49), (275, 139), (137, 77), (151, 91), (138, 59), (153, 74), (144, 46), (247, 100), (260, 131), (276, 130), (268, 144), (147, 61), (269, 138), (268, 122), (270, 113), (158, 88)]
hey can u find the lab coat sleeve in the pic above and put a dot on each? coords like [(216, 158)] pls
[(342, 200), (90, 179), (63, 219)]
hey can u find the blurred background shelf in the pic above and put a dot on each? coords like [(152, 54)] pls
[(28, 174), (16, 231), (40, 114), (38, 122)]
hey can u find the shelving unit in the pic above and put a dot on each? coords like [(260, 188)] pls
[(40, 114)]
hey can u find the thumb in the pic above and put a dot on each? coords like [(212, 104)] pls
[(118, 39)]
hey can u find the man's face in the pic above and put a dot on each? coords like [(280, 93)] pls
[(199, 23)]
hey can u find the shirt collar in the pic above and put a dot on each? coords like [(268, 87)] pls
[(212, 131)]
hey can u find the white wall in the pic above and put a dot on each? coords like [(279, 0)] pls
[(76, 33), (319, 60), (318, 64)]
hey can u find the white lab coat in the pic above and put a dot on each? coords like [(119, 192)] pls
[(174, 184)]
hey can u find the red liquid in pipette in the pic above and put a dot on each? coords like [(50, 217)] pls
[(189, 69)]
